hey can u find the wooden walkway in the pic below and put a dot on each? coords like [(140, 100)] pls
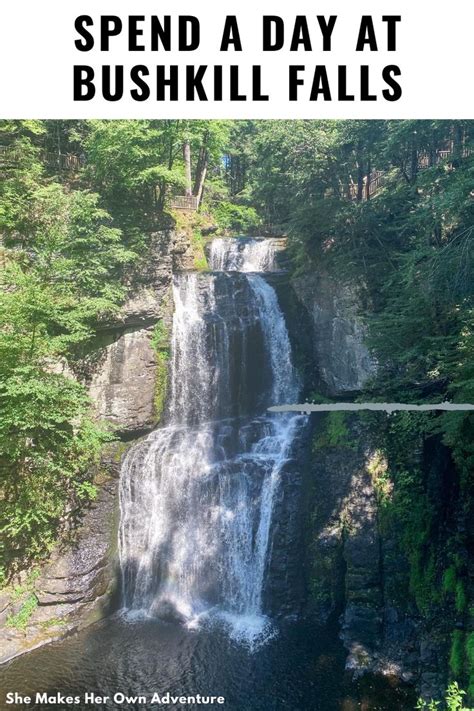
[(371, 184), (374, 182)]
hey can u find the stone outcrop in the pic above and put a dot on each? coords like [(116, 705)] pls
[(121, 370), (340, 355), (78, 583), (345, 543), (354, 566), (123, 385), (355, 569), (345, 571), (284, 591)]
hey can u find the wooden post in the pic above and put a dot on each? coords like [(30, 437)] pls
[(367, 183)]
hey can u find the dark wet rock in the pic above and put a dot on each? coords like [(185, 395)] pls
[(356, 572), (284, 590), (211, 230), (82, 572), (345, 545)]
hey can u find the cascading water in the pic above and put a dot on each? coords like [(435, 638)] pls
[(243, 255), (197, 496)]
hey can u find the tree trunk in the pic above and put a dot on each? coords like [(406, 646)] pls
[(367, 184), (457, 148), (201, 170), (360, 182), (202, 178), (413, 161), (187, 167)]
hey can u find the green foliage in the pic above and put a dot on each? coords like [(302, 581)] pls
[(200, 260), (335, 433), (456, 655), (24, 593), (20, 620), (449, 579), (470, 662), (160, 339), (236, 218), (318, 398), (454, 701), (161, 384), (52, 622), (377, 466), (63, 274), (86, 490), (460, 597), (138, 165), (28, 586), (407, 514), (161, 342), (48, 444), (454, 698), (427, 705), (423, 577)]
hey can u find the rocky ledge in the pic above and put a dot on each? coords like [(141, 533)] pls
[(78, 583)]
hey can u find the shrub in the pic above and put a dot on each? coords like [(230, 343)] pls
[(237, 218)]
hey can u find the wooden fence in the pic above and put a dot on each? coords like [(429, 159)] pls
[(184, 202)]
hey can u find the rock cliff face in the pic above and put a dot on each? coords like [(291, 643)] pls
[(353, 564), (354, 569), (345, 542), (284, 591), (340, 355), (77, 585), (122, 385), (121, 371)]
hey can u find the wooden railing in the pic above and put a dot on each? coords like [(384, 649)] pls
[(372, 184), (375, 183), (65, 161), (184, 202), (11, 156)]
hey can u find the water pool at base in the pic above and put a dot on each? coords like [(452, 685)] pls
[(300, 669)]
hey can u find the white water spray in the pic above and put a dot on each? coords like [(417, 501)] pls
[(197, 496), (243, 255)]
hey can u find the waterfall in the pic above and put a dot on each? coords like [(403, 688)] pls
[(197, 495), (243, 255)]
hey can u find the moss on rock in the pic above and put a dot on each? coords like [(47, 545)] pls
[(161, 345)]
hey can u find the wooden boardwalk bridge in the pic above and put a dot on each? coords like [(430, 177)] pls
[(375, 180), (362, 189)]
